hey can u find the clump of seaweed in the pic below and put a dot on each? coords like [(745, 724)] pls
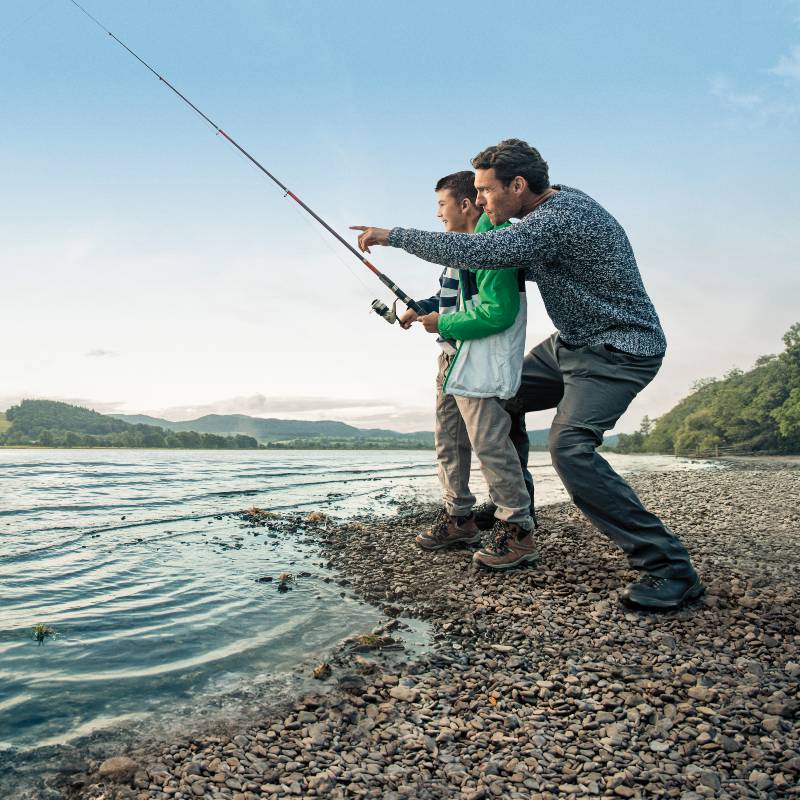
[(284, 581), (257, 516), (365, 642), (316, 516), (322, 671), (42, 632)]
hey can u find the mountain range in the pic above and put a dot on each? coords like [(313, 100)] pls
[(267, 430), (56, 424)]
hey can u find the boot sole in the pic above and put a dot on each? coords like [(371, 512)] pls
[(528, 558), (430, 548), (694, 592)]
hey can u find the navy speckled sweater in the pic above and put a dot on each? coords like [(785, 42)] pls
[(579, 256)]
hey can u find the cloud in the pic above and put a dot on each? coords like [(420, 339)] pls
[(363, 413), (769, 102), (788, 66), (259, 405), (100, 353), (723, 88)]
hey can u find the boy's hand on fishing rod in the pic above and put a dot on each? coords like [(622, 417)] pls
[(430, 322), (408, 316), (370, 236)]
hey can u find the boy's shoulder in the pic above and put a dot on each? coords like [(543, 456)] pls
[(501, 279), (485, 224)]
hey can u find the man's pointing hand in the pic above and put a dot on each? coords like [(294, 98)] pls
[(370, 236)]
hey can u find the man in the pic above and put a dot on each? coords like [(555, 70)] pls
[(609, 343), (480, 317)]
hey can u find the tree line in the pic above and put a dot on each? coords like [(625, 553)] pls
[(753, 411), (47, 423)]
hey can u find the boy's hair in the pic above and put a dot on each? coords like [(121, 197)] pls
[(460, 184), (514, 157)]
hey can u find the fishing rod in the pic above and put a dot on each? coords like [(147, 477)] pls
[(380, 308)]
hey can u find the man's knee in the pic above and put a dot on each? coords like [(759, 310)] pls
[(569, 443)]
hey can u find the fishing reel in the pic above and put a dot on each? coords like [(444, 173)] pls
[(389, 314)]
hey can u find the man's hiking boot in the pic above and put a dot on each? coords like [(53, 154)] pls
[(662, 594), (486, 520), (484, 516), (448, 531), (511, 546)]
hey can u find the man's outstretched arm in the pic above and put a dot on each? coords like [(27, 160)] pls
[(518, 246)]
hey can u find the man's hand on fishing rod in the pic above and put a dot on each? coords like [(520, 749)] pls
[(430, 322), (407, 317), (370, 236)]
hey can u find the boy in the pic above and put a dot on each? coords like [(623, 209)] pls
[(480, 319)]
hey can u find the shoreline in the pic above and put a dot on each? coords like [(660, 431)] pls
[(539, 684)]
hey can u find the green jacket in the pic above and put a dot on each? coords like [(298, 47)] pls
[(499, 298)]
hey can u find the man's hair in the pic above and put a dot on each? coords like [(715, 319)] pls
[(459, 184), (514, 157)]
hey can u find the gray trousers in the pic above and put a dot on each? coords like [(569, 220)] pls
[(590, 388), (482, 424)]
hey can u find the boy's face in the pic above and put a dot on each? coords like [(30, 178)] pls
[(456, 216)]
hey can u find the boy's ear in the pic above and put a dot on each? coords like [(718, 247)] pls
[(465, 205)]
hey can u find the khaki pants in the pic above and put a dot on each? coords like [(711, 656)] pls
[(482, 424)]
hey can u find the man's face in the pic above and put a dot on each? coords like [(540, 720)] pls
[(454, 214), (500, 203)]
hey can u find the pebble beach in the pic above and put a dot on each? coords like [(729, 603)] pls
[(538, 684)]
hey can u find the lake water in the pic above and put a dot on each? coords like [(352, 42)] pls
[(133, 560)]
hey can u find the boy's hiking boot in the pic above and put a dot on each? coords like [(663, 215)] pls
[(511, 546), (662, 594), (448, 531)]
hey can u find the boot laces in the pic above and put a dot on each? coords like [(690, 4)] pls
[(654, 581), (500, 536), (439, 525)]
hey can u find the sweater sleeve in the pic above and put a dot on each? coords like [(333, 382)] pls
[(430, 304), (499, 306), (530, 243)]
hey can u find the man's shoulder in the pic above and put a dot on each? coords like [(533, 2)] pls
[(566, 207)]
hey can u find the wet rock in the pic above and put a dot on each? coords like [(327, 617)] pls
[(118, 768), (404, 693)]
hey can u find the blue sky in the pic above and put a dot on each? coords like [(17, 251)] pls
[(147, 267)]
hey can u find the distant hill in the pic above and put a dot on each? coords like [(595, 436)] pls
[(757, 411), (305, 433), (267, 430), (47, 423)]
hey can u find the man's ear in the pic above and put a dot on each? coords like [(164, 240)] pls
[(520, 184)]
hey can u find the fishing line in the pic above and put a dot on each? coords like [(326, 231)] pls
[(379, 307), (327, 242), (333, 251)]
